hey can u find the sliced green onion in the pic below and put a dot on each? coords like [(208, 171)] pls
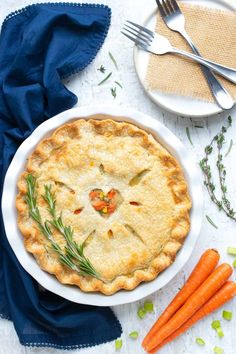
[(215, 324), (200, 341), (118, 344), (220, 332), (148, 306), (218, 350), (231, 251), (234, 263), (141, 312), (133, 335), (227, 315)]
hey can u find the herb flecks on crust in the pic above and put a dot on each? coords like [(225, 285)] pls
[(73, 254)]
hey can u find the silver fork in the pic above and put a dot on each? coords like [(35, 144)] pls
[(157, 44), (174, 19)]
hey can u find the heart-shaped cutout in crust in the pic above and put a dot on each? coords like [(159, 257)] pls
[(105, 203)]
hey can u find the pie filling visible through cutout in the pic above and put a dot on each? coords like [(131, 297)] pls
[(102, 205), (105, 203)]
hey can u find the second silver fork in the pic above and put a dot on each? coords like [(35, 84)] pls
[(174, 19)]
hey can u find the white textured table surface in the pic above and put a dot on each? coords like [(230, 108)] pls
[(85, 86)]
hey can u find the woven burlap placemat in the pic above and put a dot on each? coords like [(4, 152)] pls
[(214, 33)]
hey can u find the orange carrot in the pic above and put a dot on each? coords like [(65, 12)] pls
[(202, 270), (226, 293), (215, 280), (111, 194), (94, 194), (99, 204), (78, 211), (111, 208)]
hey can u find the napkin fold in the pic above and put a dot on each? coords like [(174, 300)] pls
[(213, 32), (40, 45)]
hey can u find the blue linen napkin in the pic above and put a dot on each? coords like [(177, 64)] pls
[(39, 45)]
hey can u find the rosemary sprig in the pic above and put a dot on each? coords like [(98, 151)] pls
[(102, 69), (104, 80), (188, 135), (44, 227), (73, 250), (31, 200), (223, 202), (211, 222), (119, 84), (113, 92), (113, 60)]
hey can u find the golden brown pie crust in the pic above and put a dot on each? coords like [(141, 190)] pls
[(146, 235)]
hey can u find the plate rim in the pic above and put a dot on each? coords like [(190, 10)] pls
[(215, 108), (28, 262)]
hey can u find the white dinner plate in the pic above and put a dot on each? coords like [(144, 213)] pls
[(166, 138), (180, 105)]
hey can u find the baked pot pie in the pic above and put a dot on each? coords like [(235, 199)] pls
[(102, 205)]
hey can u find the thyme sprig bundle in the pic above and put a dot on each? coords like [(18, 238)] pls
[(222, 202), (73, 254)]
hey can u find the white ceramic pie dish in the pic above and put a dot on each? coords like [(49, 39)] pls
[(167, 139)]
